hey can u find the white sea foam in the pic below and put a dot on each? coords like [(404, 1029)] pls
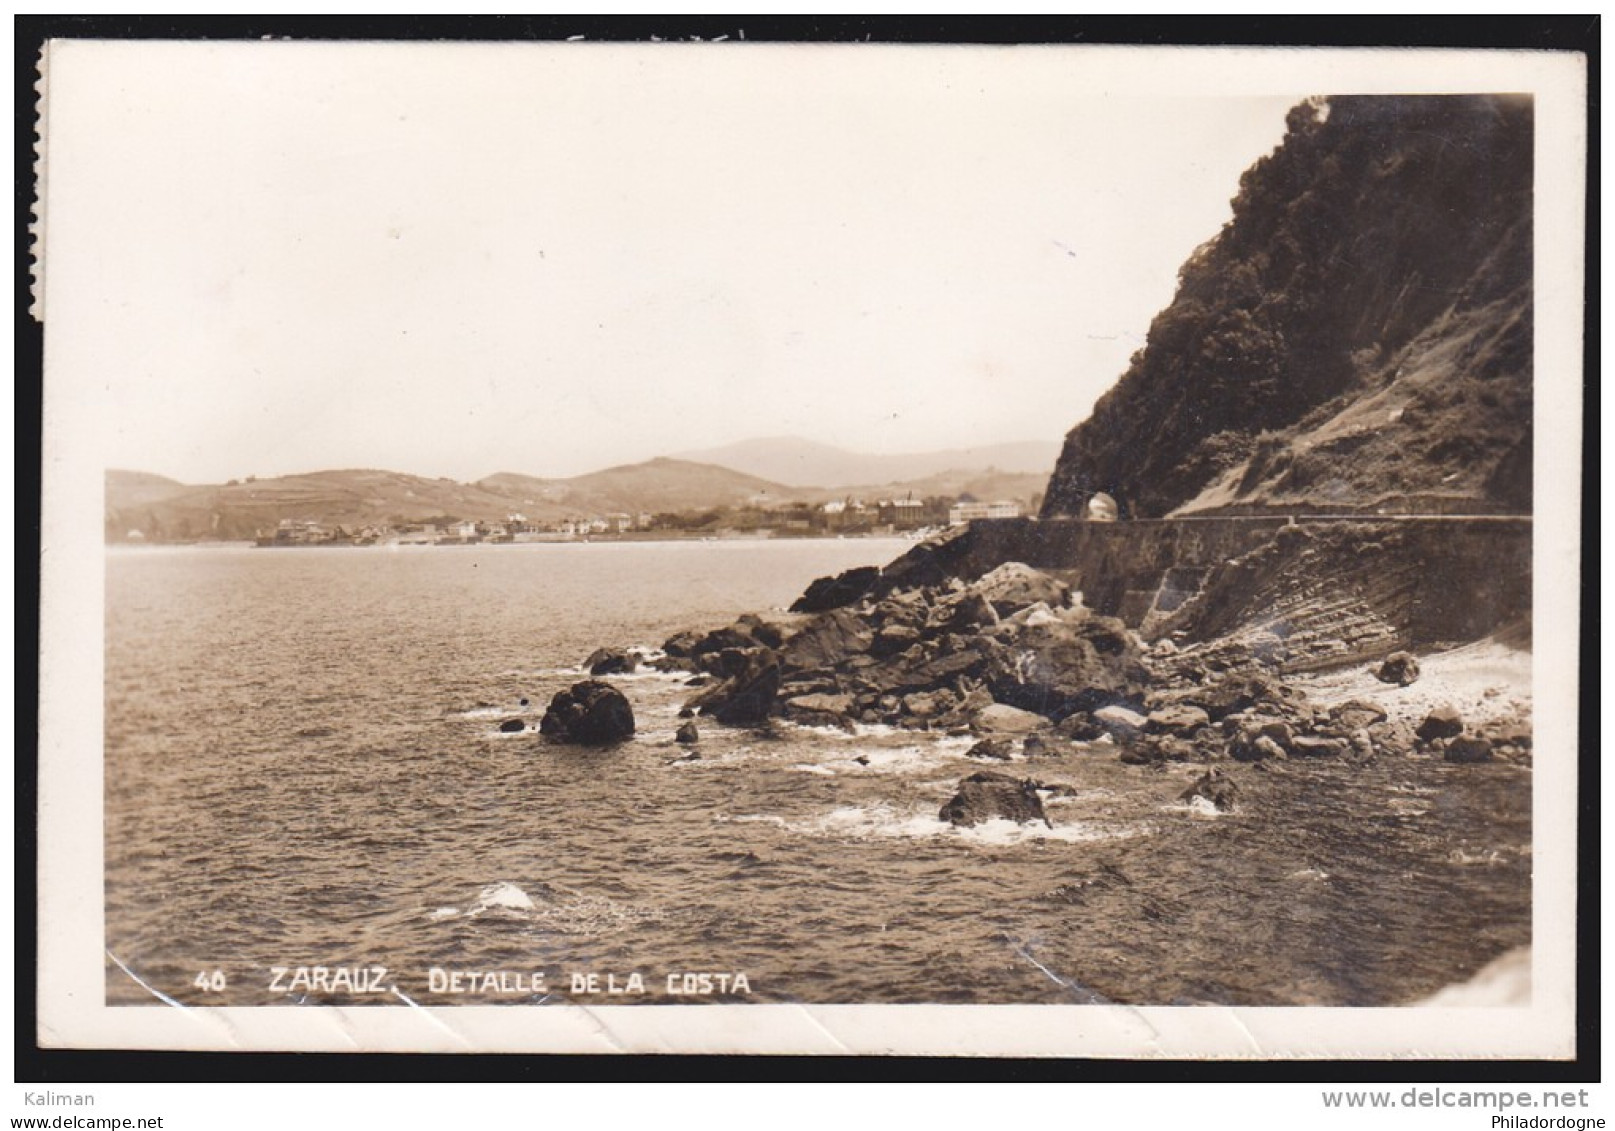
[(1309, 874), (557, 909), (1465, 858), (859, 822), (812, 768), (503, 896), (486, 712), (896, 759), (1196, 806)]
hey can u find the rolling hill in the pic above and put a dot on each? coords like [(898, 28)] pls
[(803, 463), (656, 485), (158, 509)]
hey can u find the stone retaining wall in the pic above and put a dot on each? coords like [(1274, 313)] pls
[(1337, 589)]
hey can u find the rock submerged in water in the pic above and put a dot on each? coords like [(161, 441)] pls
[(998, 749), (512, 726), (612, 661), (687, 734), (989, 796), (590, 713), (1468, 749), (1213, 786)]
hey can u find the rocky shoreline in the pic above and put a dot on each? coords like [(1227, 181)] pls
[(1014, 658)]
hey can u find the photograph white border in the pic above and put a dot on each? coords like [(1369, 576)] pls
[(71, 979)]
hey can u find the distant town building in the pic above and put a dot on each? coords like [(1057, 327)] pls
[(963, 512), (901, 514)]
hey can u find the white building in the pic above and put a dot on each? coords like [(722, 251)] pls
[(961, 513)]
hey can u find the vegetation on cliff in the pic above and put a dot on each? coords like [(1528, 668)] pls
[(1358, 336)]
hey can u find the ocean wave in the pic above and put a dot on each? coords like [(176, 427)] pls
[(865, 822), (485, 711), (555, 908), (1197, 806), (1465, 858)]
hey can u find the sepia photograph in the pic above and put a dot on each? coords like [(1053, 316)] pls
[(740, 547)]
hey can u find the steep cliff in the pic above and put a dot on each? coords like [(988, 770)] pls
[(1358, 336)]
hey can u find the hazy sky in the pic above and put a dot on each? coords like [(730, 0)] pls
[(457, 260)]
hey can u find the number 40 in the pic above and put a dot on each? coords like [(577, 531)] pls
[(213, 982)]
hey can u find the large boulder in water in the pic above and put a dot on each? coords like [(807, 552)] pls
[(828, 593), (612, 661), (590, 713), (988, 796)]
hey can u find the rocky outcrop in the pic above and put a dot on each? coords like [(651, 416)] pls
[(835, 592), (1014, 586), (1005, 653), (747, 695), (1359, 334), (590, 713), (990, 796)]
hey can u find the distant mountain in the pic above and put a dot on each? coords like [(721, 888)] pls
[(655, 485), (804, 463), (985, 486)]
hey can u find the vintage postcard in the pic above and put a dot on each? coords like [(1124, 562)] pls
[(819, 548)]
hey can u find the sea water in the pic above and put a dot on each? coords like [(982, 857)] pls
[(309, 799)]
